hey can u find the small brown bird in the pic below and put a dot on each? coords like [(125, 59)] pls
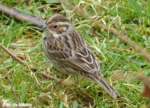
[(67, 50)]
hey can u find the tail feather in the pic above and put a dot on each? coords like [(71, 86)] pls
[(106, 86)]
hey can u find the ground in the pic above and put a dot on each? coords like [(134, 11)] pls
[(120, 62)]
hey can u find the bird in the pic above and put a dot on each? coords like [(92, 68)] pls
[(66, 49)]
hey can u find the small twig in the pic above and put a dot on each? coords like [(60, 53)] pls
[(18, 59), (46, 76), (24, 63), (13, 56), (111, 30), (9, 11), (9, 80)]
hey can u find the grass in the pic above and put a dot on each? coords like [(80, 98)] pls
[(114, 55)]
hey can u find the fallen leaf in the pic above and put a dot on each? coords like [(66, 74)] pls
[(117, 75), (146, 80)]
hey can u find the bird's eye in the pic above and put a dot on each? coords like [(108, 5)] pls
[(55, 26)]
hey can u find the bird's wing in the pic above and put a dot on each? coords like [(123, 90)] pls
[(85, 60), (81, 60), (72, 52)]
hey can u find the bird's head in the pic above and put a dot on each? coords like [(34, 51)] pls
[(56, 25)]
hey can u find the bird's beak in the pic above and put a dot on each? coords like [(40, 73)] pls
[(44, 27)]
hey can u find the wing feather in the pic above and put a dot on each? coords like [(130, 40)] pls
[(82, 60), (79, 58)]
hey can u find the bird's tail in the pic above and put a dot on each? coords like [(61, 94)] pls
[(106, 86)]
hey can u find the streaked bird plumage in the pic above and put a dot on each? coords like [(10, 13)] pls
[(67, 50)]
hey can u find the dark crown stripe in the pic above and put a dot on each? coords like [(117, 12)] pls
[(56, 18)]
